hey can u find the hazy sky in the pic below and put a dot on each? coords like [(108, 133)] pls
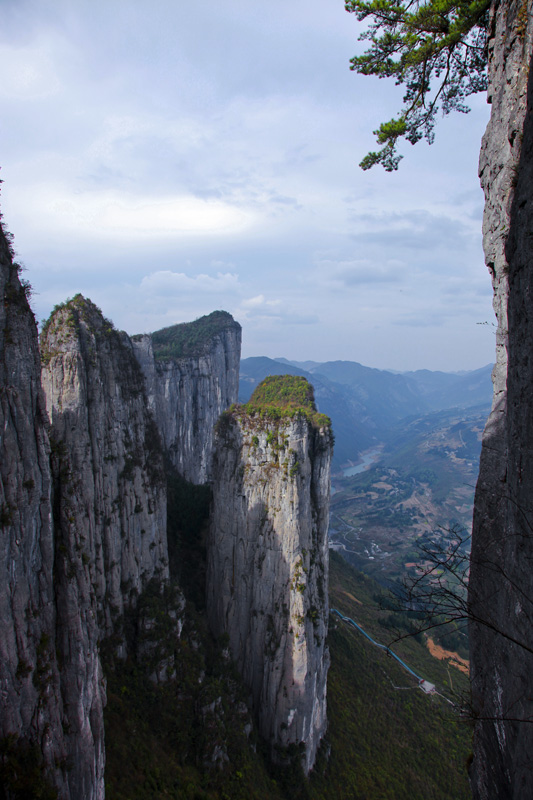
[(169, 158)]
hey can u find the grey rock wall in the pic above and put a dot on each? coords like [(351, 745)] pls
[(30, 699), (267, 578), (187, 393), (501, 587)]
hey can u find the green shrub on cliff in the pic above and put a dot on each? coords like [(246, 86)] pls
[(189, 338), (279, 396)]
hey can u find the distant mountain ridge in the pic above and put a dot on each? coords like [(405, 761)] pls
[(366, 403), (465, 389)]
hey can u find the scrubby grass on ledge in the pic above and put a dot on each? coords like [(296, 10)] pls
[(189, 338), (282, 396)]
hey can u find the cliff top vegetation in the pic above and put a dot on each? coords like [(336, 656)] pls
[(190, 338), (279, 396), (81, 306)]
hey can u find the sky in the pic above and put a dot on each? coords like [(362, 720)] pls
[(168, 158)]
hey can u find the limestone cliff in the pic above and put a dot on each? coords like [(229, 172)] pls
[(501, 590), (192, 375), (109, 511), (31, 709), (267, 565)]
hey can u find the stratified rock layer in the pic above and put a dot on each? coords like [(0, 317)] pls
[(267, 576), (109, 511), (192, 375), (501, 587)]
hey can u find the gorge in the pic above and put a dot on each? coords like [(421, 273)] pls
[(90, 446)]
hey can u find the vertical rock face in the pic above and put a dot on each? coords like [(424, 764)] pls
[(501, 588), (267, 578), (111, 485), (192, 375), (109, 510), (83, 512), (30, 701)]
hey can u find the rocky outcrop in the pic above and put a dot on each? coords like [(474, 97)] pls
[(192, 375), (109, 512), (31, 708), (501, 589), (267, 568)]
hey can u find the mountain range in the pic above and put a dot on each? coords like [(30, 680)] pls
[(365, 404)]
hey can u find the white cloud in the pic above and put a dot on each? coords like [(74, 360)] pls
[(195, 144), (258, 311), (342, 274), (221, 264), (259, 302), (119, 215), (28, 72), (168, 283)]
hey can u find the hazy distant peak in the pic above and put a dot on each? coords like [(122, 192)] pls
[(308, 366)]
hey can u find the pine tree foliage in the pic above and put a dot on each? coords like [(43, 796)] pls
[(436, 49)]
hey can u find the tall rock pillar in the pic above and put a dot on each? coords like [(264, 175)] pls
[(267, 573), (109, 512)]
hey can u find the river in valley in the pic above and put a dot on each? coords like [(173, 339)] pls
[(368, 458)]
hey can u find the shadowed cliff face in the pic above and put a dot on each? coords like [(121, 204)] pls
[(30, 700), (192, 375), (501, 587), (268, 568)]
